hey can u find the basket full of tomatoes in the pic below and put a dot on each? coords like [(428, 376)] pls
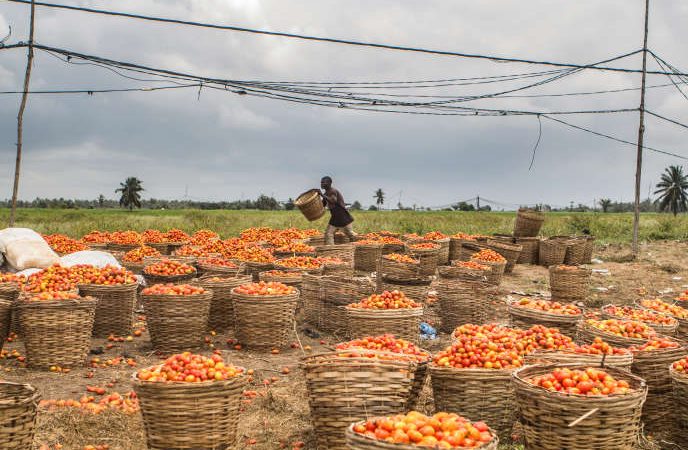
[(678, 371), (168, 271), (389, 312), (574, 406), (526, 312)]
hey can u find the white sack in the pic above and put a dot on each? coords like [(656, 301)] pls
[(92, 257), (24, 248)]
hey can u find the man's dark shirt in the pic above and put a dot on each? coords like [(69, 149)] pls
[(335, 202)]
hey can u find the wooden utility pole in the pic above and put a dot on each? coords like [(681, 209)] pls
[(20, 116), (641, 135)]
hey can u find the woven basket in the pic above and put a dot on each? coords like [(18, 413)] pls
[(264, 322), (345, 252), (180, 415), (679, 382), (366, 257), (546, 416), (416, 288), (346, 390), (10, 291), (457, 272), (443, 255), (575, 250), (528, 223), (175, 279), (667, 330), (115, 310), (582, 359), (569, 284), (521, 317), (6, 308), (483, 393), (508, 251), (468, 249), (122, 247), (463, 301), (311, 299), (18, 408), (336, 293), (587, 334), (177, 323), (682, 330), (278, 266), (428, 259), (653, 367), (190, 260), (220, 271), (356, 441), (495, 275), (344, 269), (134, 267), (455, 248), (162, 247), (221, 315), (289, 281), (552, 252), (589, 248), (57, 333), (255, 268), (530, 253), (399, 270), (310, 204), (403, 323)]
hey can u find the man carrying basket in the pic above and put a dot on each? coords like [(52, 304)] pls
[(340, 217)]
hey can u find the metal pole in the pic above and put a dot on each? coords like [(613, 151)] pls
[(641, 135), (20, 116)]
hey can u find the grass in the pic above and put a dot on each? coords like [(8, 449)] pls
[(610, 227)]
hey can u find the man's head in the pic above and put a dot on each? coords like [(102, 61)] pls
[(325, 182)]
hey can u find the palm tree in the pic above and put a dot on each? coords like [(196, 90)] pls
[(605, 203), (130, 190), (673, 190), (379, 197)]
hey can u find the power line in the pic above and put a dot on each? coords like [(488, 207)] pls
[(100, 91), (667, 119), (613, 138), (332, 40)]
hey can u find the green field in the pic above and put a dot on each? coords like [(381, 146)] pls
[(606, 227)]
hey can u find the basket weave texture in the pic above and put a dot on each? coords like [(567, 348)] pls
[(18, 408), (6, 308), (56, 333), (345, 252), (403, 323), (653, 367), (399, 270), (679, 382), (264, 322), (177, 322), (587, 334), (545, 415), (221, 315), (310, 204), (530, 253), (170, 422), (463, 301), (528, 223), (115, 309), (509, 251), (555, 357), (346, 390), (521, 317), (366, 257), (567, 284), (552, 252), (482, 393), (497, 272), (336, 293)]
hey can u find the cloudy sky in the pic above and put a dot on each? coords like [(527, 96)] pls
[(222, 146)]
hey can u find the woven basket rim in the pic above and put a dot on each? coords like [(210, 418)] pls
[(677, 376), (306, 197), (203, 296), (473, 371), (32, 395), (292, 296), (536, 312), (333, 355), (71, 303), (520, 382), (372, 312), (119, 287), (178, 384), (602, 333)]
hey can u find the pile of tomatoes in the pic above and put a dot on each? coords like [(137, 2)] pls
[(656, 343), (442, 430), (52, 296), (108, 275), (168, 267), (136, 255), (471, 265), (219, 262), (386, 300), (488, 255), (589, 382), (386, 343), (190, 368), (662, 307), (641, 315), (299, 262), (398, 257), (624, 328), (548, 306), (265, 289), (173, 289)]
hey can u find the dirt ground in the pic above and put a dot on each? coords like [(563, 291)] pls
[(279, 417)]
